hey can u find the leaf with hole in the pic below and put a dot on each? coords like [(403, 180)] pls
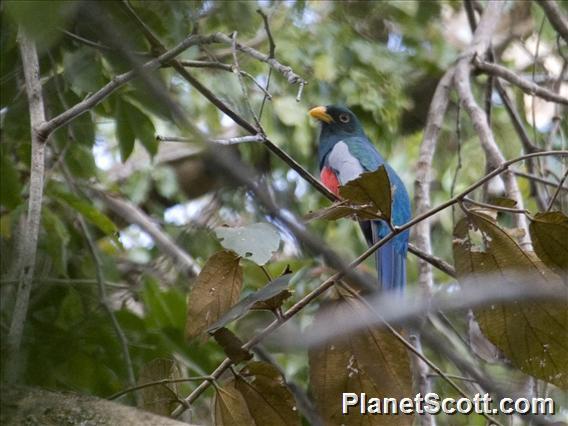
[(371, 360), (533, 335), (256, 242)]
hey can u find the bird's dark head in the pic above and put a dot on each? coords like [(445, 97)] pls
[(337, 121)]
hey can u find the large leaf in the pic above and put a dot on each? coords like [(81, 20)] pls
[(159, 399), (230, 407), (371, 188), (131, 124), (269, 291), (87, 209), (549, 233), (533, 335), (216, 289), (258, 395), (372, 361), (256, 242)]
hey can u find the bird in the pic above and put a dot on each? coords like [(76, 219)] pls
[(344, 153)]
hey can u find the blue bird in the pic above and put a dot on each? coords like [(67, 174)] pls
[(344, 152)]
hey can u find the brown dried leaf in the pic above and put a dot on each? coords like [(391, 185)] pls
[(549, 233), (158, 399), (230, 407), (372, 361), (232, 345), (217, 288), (370, 188), (533, 335)]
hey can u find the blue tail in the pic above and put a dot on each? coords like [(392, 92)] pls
[(391, 259)]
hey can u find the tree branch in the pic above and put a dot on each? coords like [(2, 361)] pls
[(29, 237), (555, 16), (525, 85), (480, 45), (80, 108), (132, 214)]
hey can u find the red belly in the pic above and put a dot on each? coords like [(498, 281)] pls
[(330, 180)]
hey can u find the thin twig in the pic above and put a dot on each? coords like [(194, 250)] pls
[(438, 263), (555, 195), (272, 50), (494, 207), (157, 383), (527, 86), (244, 90), (224, 67), (229, 141), (29, 238), (539, 179)]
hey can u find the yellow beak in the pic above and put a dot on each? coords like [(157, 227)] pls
[(320, 113)]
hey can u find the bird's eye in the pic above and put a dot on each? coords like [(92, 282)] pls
[(344, 118)]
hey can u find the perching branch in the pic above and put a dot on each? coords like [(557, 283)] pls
[(29, 238)]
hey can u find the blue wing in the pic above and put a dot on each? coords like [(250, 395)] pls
[(390, 258)]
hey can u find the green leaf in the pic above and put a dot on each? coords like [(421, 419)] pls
[(216, 289), (55, 240), (132, 124), (372, 361), (370, 188), (124, 131), (11, 187), (82, 70), (157, 399), (533, 335), (549, 233), (71, 310), (88, 210), (272, 289), (287, 110), (41, 19), (256, 242)]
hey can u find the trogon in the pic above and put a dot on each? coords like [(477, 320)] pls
[(344, 152)]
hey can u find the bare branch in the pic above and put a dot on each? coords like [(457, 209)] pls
[(29, 238), (555, 16), (480, 44), (438, 263), (558, 188), (80, 108), (539, 179), (132, 214), (525, 85), (157, 383), (229, 141)]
